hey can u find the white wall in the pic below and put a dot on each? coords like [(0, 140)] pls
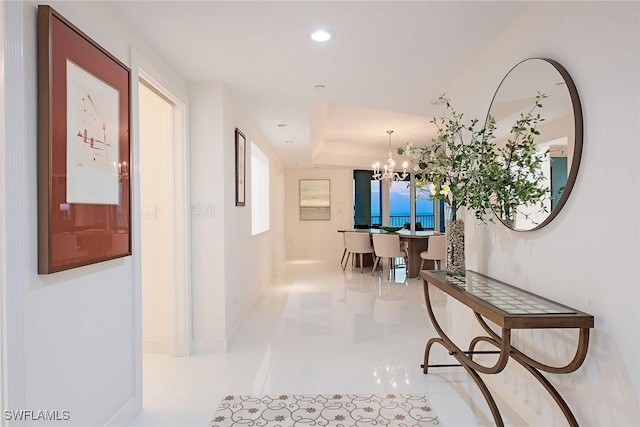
[(587, 257), (207, 240), (318, 239), (156, 117), (230, 267), (77, 326), (252, 261)]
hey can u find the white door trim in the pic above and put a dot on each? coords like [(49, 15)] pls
[(14, 202), (179, 220), (180, 215), (15, 194), (3, 224)]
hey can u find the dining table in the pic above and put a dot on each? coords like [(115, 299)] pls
[(417, 241)]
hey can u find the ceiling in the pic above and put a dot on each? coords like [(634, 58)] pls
[(386, 63)]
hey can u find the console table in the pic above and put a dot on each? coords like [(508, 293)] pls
[(509, 308)]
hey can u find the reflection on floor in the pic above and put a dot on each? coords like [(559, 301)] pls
[(320, 330)]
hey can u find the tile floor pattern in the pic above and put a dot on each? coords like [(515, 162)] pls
[(319, 330), (331, 410)]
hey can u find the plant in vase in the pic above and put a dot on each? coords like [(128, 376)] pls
[(452, 170), (465, 168)]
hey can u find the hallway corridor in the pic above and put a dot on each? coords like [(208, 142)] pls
[(320, 330)]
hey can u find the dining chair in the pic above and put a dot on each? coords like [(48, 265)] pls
[(357, 243), (436, 251), (388, 246), (344, 253)]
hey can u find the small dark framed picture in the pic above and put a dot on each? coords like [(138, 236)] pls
[(241, 157)]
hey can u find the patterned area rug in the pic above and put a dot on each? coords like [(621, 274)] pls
[(339, 410)]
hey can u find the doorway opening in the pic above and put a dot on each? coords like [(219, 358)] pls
[(164, 229)]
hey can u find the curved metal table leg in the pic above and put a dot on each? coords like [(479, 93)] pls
[(427, 349), (572, 319), (466, 362), (505, 345), (487, 395), (574, 364), (571, 419)]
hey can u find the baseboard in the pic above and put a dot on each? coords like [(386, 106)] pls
[(222, 346), (124, 416), (156, 346), (233, 335)]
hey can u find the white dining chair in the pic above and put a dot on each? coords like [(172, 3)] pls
[(388, 246), (436, 251), (357, 243)]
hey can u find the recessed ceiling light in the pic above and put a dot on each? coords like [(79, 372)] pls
[(288, 142), (319, 86), (282, 125), (321, 35)]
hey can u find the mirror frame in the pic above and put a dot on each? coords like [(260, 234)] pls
[(578, 139)]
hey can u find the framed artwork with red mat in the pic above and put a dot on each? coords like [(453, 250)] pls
[(84, 182)]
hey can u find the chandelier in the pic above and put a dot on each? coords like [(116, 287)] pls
[(389, 174)]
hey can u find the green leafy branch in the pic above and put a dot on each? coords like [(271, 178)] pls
[(464, 167), (514, 174)]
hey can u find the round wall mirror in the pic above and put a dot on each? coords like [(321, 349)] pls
[(559, 142)]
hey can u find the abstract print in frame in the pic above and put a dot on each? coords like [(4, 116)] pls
[(315, 199), (84, 209)]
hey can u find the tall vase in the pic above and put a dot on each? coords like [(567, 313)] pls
[(454, 232)]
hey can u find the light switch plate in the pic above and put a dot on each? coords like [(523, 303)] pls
[(149, 211), (203, 211)]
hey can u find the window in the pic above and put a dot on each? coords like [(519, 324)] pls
[(367, 203), (259, 191), (400, 206), (376, 202), (425, 207), (399, 203)]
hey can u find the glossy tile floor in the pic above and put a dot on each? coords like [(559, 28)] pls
[(320, 330)]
